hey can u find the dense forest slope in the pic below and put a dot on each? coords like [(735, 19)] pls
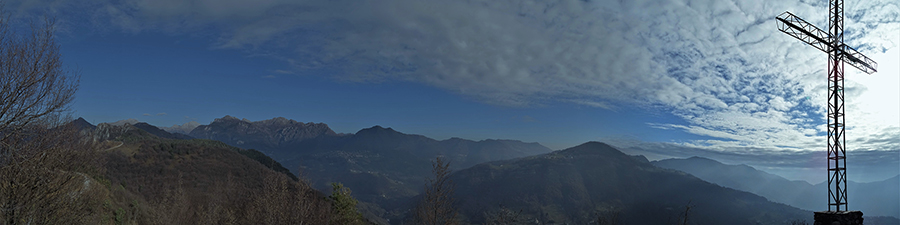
[(148, 179)]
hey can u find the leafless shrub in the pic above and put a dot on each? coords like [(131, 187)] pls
[(284, 201), (436, 206), (505, 216), (684, 218)]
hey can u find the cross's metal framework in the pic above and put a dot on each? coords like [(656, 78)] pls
[(832, 43)]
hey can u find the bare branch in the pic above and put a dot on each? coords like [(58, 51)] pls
[(436, 206)]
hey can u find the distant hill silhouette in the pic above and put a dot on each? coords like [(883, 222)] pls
[(576, 185), (873, 199), (185, 128), (384, 166), (159, 132), (82, 124), (131, 121), (879, 198)]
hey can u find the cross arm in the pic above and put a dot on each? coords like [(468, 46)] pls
[(812, 35), (802, 30), (858, 60)]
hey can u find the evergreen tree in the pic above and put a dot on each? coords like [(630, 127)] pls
[(344, 206)]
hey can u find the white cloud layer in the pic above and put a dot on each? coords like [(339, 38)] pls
[(722, 66)]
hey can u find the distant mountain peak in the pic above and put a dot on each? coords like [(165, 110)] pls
[(125, 121), (185, 128), (704, 160), (600, 150), (595, 144), (259, 134), (376, 128), (593, 147), (278, 121), (83, 124), (160, 132), (379, 132), (226, 118)]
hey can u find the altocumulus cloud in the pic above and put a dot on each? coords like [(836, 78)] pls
[(720, 65)]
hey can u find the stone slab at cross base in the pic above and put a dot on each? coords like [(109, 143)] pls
[(838, 218)]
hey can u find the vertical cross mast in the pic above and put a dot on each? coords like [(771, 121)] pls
[(831, 42), (837, 160)]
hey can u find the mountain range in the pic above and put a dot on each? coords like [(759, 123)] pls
[(386, 170), (269, 136), (881, 198), (185, 128), (382, 166)]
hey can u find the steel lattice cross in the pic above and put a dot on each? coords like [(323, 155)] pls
[(831, 42)]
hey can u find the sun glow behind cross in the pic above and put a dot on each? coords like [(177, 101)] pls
[(875, 110)]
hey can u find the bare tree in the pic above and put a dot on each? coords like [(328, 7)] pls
[(436, 206), (284, 201), (683, 218), (35, 90), (42, 162)]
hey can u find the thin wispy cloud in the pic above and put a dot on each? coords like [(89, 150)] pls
[(283, 72), (158, 114)]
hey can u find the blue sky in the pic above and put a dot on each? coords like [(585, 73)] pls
[(158, 79), (672, 78)]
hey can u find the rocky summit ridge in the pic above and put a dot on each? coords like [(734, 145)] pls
[(270, 133)]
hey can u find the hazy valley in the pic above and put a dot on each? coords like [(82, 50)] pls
[(878, 198)]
